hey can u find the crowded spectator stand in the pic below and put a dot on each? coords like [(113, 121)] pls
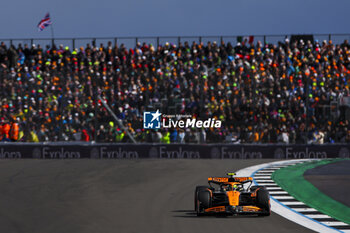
[(288, 92)]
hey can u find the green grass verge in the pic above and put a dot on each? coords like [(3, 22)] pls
[(291, 179)]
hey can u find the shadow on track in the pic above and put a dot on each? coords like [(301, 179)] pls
[(193, 214), (186, 214)]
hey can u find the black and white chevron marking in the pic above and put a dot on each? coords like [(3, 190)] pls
[(263, 177)]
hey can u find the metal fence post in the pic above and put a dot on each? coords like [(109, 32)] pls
[(178, 41), (73, 43), (115, 41), (200, 40), (221, 39), (31, 42), (11, 42), (157, 42), (329, 37), (136, 41)]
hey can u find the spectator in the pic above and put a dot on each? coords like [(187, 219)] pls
[(85, 136), (181, 136), (173, 136), (255, 89), (33, 137), (165, 137)]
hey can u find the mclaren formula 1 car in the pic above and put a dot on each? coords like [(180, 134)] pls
[(231, 195)]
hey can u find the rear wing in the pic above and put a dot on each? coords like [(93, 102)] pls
[(229, 179)]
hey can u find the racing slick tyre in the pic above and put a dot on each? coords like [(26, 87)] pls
[(198, 189), (263, 201), (204, 201)]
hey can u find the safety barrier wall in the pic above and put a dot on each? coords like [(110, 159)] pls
[(170, 151)]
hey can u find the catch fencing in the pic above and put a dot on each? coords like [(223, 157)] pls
[(130, 42)]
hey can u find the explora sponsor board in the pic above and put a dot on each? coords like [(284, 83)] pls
[(191, 151)]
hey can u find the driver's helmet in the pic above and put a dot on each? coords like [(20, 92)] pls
[(237, 187)]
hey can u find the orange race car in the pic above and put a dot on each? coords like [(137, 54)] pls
[(232, 195)]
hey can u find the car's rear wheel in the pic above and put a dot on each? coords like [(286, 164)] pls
[(198, 188), (263, 201), (198, 205), (204, 198)]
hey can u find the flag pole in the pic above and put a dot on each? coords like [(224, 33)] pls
[(52, 35)]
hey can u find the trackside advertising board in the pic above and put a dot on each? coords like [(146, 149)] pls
[(170, 151)]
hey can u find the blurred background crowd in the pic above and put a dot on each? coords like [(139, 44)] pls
[(287, 92)]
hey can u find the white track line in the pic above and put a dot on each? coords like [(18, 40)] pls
[(291, 202), (277, 192), (315, 216), (273, 188), (305, 210), (334, 223), (279, 208), (283, 197)]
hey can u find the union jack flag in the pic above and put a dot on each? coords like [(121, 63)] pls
[(45, 22)]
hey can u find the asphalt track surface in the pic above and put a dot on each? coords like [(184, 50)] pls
[(332, 179), (137, 196)]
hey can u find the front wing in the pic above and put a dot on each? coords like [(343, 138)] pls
[(234, 210)]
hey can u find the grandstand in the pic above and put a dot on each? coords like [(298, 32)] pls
[(288, 91)]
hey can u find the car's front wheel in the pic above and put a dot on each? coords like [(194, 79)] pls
[(263, 201)]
